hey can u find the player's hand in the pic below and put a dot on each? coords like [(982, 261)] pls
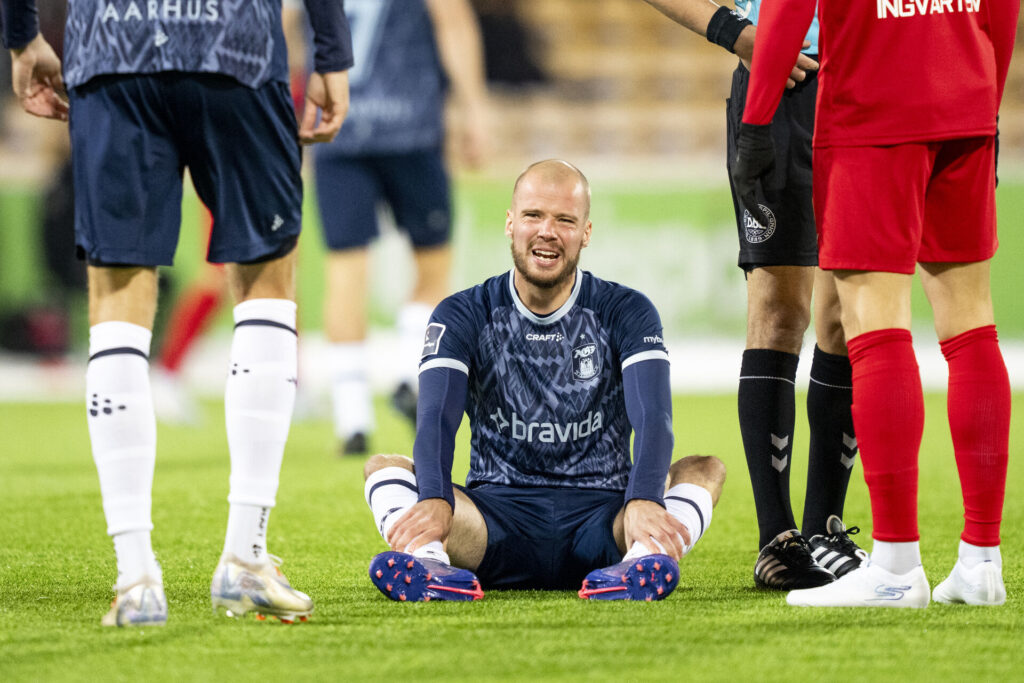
[(755, 160), (473, 135), (744, 48), (328, 94), (35, 76), (426, 521), (651, 524)]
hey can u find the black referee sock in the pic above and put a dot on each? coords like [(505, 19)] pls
[(833, 444), (767, 413)]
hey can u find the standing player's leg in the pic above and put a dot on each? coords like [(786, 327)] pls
[(888, 409), (345, 325), (833, 446), (979, 420), (348, 192), (122, 430), (693, 487), (431, 571), (254, 191), (127, 213)]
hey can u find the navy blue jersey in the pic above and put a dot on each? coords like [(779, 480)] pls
[(396, 86), (238, 38), (545, 396)]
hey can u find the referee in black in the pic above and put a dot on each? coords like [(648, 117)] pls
[(779, 256)]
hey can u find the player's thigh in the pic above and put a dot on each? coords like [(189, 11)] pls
[(789, 239), (127, 172), (870, 204), (241, 146), (348, 192), (416, 186), (960, 207), (467, 542)]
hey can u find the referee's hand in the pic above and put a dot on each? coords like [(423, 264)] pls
[(755, 160)]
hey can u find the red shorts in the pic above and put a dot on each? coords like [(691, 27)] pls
[(889, 208)]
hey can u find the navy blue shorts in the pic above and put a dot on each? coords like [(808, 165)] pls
[(133, 136), (545, 538), (414, 185)]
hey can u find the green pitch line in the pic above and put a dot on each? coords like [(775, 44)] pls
[(57, 566)]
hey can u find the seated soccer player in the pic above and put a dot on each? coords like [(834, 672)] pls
[(555, 369)]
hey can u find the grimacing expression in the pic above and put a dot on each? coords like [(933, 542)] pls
[(549, 227)]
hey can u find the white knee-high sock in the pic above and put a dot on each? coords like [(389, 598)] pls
[(689, 504), (390, 492), (122, 429), (350, 388), (258, 402), (412, 326)]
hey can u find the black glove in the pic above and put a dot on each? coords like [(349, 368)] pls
[(755, 160)]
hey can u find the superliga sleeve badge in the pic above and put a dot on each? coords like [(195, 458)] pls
[(432, 339)]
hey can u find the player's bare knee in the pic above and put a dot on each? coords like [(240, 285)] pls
[(706, 471), (778, 325), (382, 460)]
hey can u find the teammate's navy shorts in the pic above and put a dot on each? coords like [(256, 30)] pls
[(413, 184), (545, 538), (789, 239), (133, 135)]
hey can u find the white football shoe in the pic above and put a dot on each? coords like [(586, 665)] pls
[(239, 588), (867, 586), (140, 604), (980, 585)]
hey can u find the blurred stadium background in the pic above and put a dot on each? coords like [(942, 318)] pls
[(633, 99)]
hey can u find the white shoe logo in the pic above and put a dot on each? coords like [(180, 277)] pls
[(885, 592)]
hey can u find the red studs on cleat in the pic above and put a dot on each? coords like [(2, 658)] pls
[(408, 579), (668, 578), (380, 573), (639, 567), (391, 562), (389, 587), (657, 566), (285, 621), (410, 564), (625, 579), (261, 617), (642, 581), (402, 597), (427, 577), (303, 619)]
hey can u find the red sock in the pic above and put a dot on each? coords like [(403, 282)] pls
[(194, 310), (979, 420), (888, 415)]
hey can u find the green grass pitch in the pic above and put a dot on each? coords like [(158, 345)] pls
[(57, 566)]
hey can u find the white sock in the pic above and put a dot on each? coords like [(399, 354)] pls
[(390, 492), (246, 537), (689, 504), (973, 555), (897, 558), (135, 558), (412, 326), (122, 430), (259, 398), (350, 389)]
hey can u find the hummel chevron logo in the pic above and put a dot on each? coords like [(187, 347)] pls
[(780, 465), (850, 442), (847, 460), (780, 442)]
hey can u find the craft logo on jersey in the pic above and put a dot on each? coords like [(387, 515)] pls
[(755, 232), (586, 362), (432, 339)]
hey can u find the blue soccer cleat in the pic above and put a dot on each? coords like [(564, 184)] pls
[(405, 578), (651, 577)]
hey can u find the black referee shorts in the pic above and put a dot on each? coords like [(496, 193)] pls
[(790, 238)]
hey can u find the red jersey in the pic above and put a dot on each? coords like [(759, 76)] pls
[(892, 71)]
